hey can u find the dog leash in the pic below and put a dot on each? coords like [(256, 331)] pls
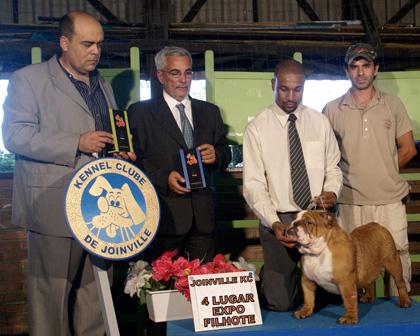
[(314, 206)]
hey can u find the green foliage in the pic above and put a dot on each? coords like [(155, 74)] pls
[(7, 162)]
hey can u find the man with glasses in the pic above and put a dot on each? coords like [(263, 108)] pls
[(161, 127)]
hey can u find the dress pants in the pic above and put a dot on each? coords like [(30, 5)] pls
[(63, 296), (280, 287), (192, 245)]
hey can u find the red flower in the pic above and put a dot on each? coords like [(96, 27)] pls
[(182, 285), (168, 272), (162, 266), (207, 268), (183, 268), (221, 265)]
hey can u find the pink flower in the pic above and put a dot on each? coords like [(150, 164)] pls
[(221, 265), (183, 268), (167, 273), (207, 268), (182, 285), (162, 266)]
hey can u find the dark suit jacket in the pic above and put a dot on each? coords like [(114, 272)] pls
[(157, 140)]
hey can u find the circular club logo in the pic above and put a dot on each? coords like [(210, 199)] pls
[(112, 208)]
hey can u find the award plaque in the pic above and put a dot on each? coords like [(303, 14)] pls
[(192, 168), (120, 131)]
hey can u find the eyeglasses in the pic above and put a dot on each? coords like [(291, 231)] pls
[(178, 73)]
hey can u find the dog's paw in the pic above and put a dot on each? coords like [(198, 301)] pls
[(404, 303), (348, 319), (366, 298), (303, 313)]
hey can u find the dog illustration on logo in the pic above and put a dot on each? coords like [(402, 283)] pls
[(118, 209)]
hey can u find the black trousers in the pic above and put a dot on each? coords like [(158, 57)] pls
[(191, 246), (280, 287)]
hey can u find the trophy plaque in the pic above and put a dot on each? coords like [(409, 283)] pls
[(192, 168), (120, 131)]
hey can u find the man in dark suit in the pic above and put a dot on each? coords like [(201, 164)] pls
[(161, 127)]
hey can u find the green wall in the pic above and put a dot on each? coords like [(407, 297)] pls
[(241, 95), (125, 82), (406, 85)]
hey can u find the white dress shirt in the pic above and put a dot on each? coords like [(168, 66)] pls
[(172, 102), (266, 172)]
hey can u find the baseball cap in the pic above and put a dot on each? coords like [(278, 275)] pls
[(363, 50)]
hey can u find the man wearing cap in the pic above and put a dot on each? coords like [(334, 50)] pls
[(376, 139)]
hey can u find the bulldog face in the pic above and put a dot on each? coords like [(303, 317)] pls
[(311, 228)]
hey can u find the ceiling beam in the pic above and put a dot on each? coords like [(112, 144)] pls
[(105, 12), (370, 22), (156, 19), (255, 11), (15, 11), (308, 10), (193, 11), (403, 11)]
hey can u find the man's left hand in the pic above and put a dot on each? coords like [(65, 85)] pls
[(125, 156), (208, 153), (279, 230)]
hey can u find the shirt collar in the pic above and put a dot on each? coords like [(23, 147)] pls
[(93, 76), (282, 116), (172, 102), (348, 99)]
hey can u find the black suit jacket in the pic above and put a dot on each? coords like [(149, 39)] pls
[(157, 140)]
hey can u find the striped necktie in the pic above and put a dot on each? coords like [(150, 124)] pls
[(300, 181), (186, 127)]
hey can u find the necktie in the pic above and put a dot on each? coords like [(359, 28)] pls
[(300, 181), (186, 127)]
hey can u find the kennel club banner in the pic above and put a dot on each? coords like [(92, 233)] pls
[(112, 208)]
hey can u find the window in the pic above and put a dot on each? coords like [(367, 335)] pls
[(317, 93), (6, 159), (3, 93)]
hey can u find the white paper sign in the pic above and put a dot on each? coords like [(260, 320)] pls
[(224, 300)]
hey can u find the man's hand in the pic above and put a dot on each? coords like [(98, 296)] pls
[(94, 141), (125, 156), (208, 153), (174, 180), (280, 232), (326, 199)]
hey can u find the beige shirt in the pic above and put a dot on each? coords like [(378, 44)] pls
[(367, 140), (267, 181)]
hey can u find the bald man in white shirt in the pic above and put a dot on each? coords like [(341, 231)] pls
[(268, 183)]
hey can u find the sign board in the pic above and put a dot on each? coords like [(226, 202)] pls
[(112, 209), (224, 300)]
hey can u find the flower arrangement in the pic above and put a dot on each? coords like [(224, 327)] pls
[(166, 272)]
